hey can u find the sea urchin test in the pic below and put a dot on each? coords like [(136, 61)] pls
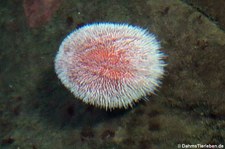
[(110, 65)]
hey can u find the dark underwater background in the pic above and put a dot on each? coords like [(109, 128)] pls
[(38, 112)]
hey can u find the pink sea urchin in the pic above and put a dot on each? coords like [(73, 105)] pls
[(110, 65)]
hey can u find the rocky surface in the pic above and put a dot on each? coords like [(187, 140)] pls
[(212, 10), (36, 111)]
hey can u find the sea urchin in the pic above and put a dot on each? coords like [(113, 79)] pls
[(110, 65)]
